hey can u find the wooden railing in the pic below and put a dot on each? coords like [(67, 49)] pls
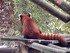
[(31, 43)]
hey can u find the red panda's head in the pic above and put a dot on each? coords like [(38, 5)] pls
[(28, 25), (24, 17)]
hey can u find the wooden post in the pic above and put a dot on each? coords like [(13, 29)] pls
[(25, 49)]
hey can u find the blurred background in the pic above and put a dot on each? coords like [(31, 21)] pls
[(11, 26)]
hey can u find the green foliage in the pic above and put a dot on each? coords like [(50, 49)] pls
[(45, 21)]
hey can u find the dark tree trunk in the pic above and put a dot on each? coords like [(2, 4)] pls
[(45, 5), (63, 5)]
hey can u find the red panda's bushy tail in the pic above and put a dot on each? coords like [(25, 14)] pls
[(58, 37)]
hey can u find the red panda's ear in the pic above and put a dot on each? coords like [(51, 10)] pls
[(21, 16), (30, 15)]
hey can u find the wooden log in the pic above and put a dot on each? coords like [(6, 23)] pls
[(23, 49), (26, 49), (42, 41), (29, 40), (48, 7), (62, 4), (32, 50), (45, 48), (8, 50), (65, 35), (38, 48), (58, 47)]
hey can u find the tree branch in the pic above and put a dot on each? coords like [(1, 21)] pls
[(45, 5), (63, 5), (29, 40)]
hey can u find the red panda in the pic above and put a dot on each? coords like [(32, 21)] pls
[(30, 30)]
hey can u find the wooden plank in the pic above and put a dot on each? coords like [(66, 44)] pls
[(36, 47), (58, 47), (34, 40), (8, 50), (28, 40), (26, 49), (40, 47), (65, 35), (45, 48)]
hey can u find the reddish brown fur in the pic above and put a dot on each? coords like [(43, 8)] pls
[(31, 30), (29, 26)]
